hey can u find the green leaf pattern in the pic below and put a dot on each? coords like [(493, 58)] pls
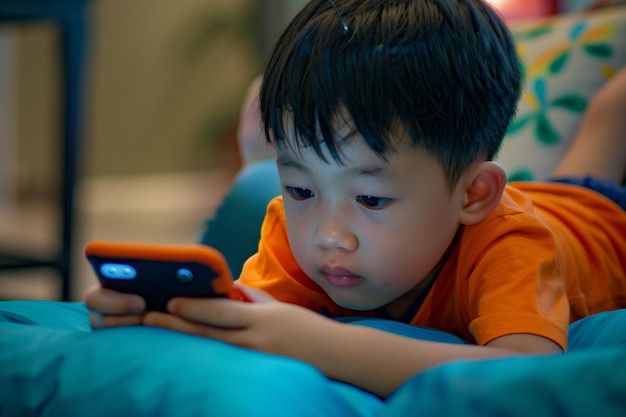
[(592, 40)]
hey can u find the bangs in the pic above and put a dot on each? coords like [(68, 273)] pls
[(444, 72), (324, 83)]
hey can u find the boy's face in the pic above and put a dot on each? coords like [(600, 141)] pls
[(368, 231)]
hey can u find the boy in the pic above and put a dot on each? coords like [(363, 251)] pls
[(385, 116)]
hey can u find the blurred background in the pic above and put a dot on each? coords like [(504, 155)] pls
[(164, 83)]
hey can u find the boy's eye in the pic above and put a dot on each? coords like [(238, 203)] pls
[(372, 202), (299, 193)]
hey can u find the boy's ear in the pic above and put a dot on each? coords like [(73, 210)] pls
[(484, 184)]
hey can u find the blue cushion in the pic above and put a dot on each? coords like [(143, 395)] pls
[(579, 384), (235, 228), (52, 364), (599, 330)]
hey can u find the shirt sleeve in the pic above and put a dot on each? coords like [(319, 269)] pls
[(516, 283)]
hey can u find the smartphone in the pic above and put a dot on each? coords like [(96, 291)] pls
[(160, 272)]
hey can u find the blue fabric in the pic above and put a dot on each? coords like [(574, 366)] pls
[(580, 384), (402, 329), (235, 228), (598, 331), (607, 188), (52, 364)]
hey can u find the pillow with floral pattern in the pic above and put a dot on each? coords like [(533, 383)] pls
[(565, 59)]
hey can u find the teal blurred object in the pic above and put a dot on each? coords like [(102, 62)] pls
[(235, 228), (52, 364)]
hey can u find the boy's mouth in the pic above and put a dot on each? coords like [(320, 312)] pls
[(340, 277)]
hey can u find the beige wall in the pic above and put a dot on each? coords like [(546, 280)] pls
[(145, 102)]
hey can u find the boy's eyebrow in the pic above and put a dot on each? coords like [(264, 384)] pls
[(286, 161), (374, 170)]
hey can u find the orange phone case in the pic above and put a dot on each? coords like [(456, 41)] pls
[(160, 272)]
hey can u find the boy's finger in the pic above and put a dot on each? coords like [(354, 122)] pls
[(214, 312), (107, 301), (179, 324)]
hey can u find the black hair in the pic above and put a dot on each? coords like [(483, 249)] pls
[(446, 71)]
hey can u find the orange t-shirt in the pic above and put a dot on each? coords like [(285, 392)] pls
[(548, 255)]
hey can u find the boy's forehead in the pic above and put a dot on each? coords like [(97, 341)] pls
[(352, 149), (356, 159), (344, 130), (294, 149), (340, 117), (353, 154)]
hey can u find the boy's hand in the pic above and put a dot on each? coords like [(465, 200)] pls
[(265, 324), (110, 308)]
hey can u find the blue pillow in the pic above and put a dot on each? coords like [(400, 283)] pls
[(598, 330), (590, 380), (52, 364), (579, 384)]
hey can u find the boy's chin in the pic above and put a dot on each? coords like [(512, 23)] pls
[(356, 305)]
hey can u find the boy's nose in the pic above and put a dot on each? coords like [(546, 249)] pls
[(332, 234)]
